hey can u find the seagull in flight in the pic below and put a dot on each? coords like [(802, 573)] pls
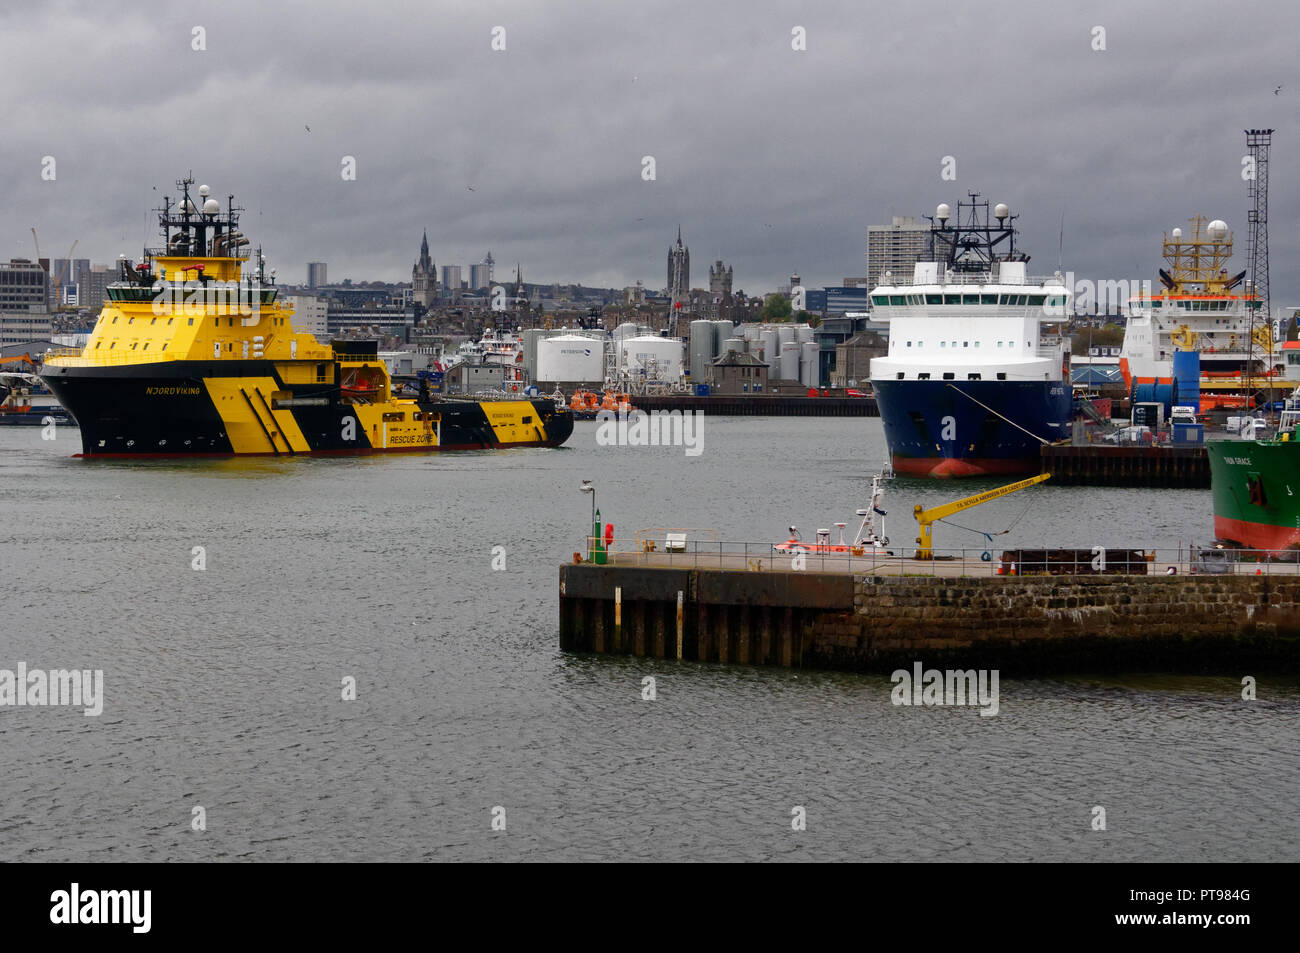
[(307, 127), (470, 187), (1278, 90)]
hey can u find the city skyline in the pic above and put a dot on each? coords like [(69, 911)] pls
[(774, 170)]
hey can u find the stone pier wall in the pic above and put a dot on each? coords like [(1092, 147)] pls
[(1021, 625)]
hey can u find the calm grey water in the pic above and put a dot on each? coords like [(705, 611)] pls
[(223, 687)]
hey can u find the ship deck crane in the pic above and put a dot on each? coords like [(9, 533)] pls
[(925, 518)]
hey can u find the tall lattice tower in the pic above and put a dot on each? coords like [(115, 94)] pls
[(1257, 143)]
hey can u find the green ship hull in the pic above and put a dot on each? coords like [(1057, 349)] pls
[(1256, 488)]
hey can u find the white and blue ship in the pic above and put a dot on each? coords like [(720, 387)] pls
[(976, 378)]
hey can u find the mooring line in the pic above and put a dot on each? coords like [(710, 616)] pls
[(1041, 440)]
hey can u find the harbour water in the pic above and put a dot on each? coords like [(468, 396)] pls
[(223, 686)]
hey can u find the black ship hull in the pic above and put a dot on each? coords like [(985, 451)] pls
[(198, 408)]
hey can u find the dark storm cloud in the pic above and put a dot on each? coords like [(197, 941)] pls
[(771, 159)]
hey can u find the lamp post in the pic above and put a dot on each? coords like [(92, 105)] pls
[(594, 536)]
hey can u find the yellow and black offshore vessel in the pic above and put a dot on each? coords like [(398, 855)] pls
[(191, 356)]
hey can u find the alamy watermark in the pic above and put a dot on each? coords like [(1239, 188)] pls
[(77, 688), (1088, 294), (931, 687), (207, 297), (659, 428)]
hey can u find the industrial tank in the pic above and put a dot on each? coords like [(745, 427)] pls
[(790, 361), (702, 349), (733, 344), (785, 334), (809, 364), (803, 333), (658, 358), (722, 330), (572, 358), (771, 344)]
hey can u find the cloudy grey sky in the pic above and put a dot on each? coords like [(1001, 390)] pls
[(771, 159)]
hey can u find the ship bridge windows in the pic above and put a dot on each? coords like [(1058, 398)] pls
[(970, 299), (952, 299), (898, 300), (1036, 301), (943, 343), (880, 300), (934, 299), (988, 299)]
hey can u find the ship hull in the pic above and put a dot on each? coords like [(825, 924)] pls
[(1256, 490), (969, 428), (196, 408)]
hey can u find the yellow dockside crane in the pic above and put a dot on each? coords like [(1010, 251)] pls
[(925, 518)]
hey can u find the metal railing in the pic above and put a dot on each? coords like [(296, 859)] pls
[(643, 550), (79, 357), (1033, 282)]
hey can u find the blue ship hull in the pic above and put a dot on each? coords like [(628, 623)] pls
[(941, 429)]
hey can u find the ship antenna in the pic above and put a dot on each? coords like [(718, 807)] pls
[(1060, 244)]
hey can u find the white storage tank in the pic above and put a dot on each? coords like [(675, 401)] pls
[(771, 344), (736, 345), (722, 330), (809, 364), (786, 335), (659, 359), (702, 349), (572, 358), (803, 333), (751, 332), (790, 361)]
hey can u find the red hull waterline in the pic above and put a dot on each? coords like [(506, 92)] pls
[(951, 468), (1256, 535)]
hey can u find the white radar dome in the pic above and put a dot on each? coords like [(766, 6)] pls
[(204, 191), (1177, 233), (212, 206), (943, 211), (1000, 210), (1218, 229)]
